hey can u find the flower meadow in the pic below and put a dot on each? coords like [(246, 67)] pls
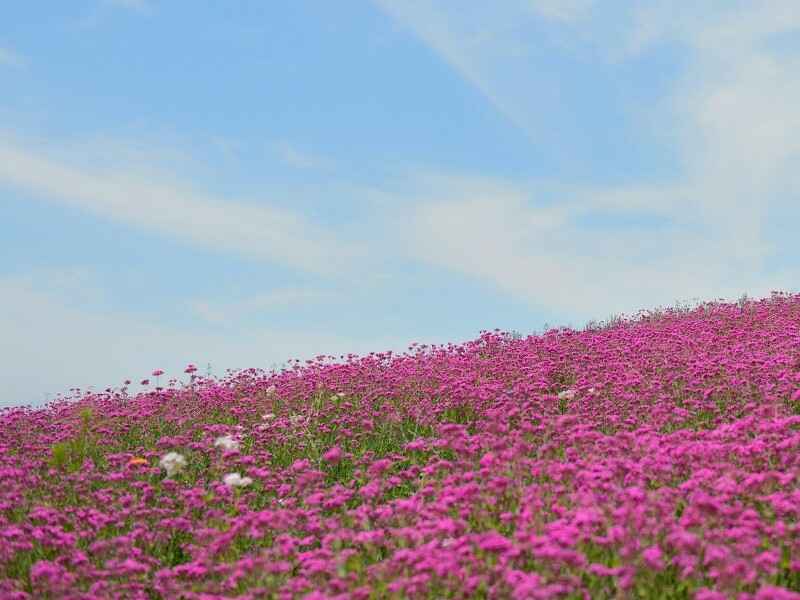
[(655, 457)]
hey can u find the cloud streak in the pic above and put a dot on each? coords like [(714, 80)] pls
[(731, 117), (253, 230), (142, 6)]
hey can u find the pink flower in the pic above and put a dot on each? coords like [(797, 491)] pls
[(190, 369), (653, 558), (157, 372), (334, 455), (144, 382), (371, 490), (771, 592), (707, 594), (494, 542)]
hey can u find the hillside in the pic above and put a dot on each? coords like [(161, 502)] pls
[(658, 457)]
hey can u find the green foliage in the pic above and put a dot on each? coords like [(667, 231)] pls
[(69, 456)]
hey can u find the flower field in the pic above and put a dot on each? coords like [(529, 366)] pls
[(655, 458)]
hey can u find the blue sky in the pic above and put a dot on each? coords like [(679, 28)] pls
[(244, 183)]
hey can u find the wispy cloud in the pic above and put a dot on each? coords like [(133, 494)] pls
[(9, 58), (278, 299), (732, 118), (300, 159), (256, 230), (561, 10), (541, 254), (493, 46), (142, 6)]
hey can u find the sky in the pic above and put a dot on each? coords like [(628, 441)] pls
[(239, 184)]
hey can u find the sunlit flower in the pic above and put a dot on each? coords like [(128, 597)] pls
[(137, 460), (227, 443), (172, 463), (268, 416), (236, 480), (566, 394), (334, 455)]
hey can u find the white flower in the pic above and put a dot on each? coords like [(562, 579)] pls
[(227, 442), (295, 419), (340, 395), (267, 416), (591, 390), (236, 480), (568, 394), (172, 462)]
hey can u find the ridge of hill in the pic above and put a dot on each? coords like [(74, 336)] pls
[(656, 457)]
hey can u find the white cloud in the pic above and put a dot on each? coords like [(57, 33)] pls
[(236, 311), (485, 44), (732, 118), (299, 159), (12, 59), (51, 344), (176, 210), (142, 6), (561, 10), (524, 251)]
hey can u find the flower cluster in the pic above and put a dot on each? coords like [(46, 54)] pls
[(658, 457)]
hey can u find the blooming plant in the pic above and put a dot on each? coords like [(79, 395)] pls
[(236, 480), (172, 463), (226, 442), (657, 457)]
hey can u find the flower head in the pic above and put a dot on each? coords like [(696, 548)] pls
[(334, 455), (653, 558), (227, 443), (137, 460), (157, 372), (236, 480), (172, 463), (190, 369), (568, 394)]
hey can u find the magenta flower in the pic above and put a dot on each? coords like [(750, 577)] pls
[(681, 471), (333, 455), (653, 558)]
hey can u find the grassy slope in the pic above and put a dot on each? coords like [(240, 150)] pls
[(654, 459)]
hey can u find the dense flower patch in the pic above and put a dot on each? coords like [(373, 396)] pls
[(658, 458)]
